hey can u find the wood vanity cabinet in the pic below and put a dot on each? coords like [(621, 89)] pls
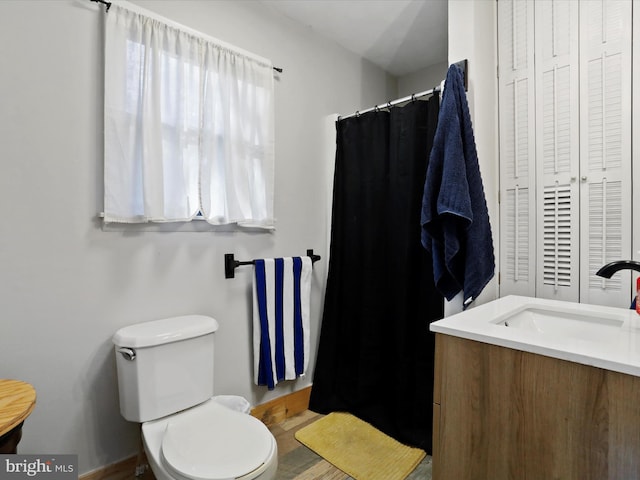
[(502, 414)]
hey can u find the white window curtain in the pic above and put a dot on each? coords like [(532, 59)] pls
[(188, 126)]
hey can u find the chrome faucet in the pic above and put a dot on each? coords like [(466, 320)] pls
[(613, 267)]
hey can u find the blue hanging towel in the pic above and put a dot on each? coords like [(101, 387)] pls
[(281, 304), (455, 218)]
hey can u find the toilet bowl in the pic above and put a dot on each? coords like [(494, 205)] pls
[(210, 442), (165, 382)]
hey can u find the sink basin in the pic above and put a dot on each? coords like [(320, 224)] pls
[(596, 335), (597, 327)]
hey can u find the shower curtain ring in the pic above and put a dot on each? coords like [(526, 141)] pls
[(357, 113), (413, 97), (388, 104), (376, 109)]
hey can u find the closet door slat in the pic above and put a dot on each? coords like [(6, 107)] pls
[(517, 146), (605, 166), (557, 150)]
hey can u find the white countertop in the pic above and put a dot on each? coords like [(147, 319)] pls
[(617, 349)]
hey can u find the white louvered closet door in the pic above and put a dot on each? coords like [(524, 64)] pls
[(557, 150), (635, 134), (517, 147), (605, 166)]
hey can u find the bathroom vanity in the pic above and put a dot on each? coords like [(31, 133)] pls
[(530, 389)]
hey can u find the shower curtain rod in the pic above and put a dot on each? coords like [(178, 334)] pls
[(108, 5), (463, 66), (411, 97)]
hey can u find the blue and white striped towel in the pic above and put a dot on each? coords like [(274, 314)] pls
[(281, 299)]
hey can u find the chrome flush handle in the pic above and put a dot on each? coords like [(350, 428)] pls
[(128, 353)]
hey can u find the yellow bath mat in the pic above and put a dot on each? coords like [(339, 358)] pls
[(359, 449)]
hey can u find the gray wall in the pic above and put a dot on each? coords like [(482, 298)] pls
[(67, 284), (422, 80)]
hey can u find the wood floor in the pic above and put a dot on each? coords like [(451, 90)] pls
[(297, 462)]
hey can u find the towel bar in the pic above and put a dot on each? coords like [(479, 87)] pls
[(230, 263)]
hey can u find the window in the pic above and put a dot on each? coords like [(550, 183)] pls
[(188, 126)]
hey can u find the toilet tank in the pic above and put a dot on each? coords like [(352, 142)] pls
[(164, 366)]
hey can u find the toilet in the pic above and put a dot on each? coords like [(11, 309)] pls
[(165, 382)]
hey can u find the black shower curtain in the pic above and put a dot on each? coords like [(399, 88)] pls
[(375, 354)]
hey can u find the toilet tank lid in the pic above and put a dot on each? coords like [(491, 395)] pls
[(167, 330)]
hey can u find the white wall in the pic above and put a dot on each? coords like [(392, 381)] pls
[(635, 151), (67, 284), (472, 35), (422, 80)]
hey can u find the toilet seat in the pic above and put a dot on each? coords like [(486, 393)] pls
[(212, 442)]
